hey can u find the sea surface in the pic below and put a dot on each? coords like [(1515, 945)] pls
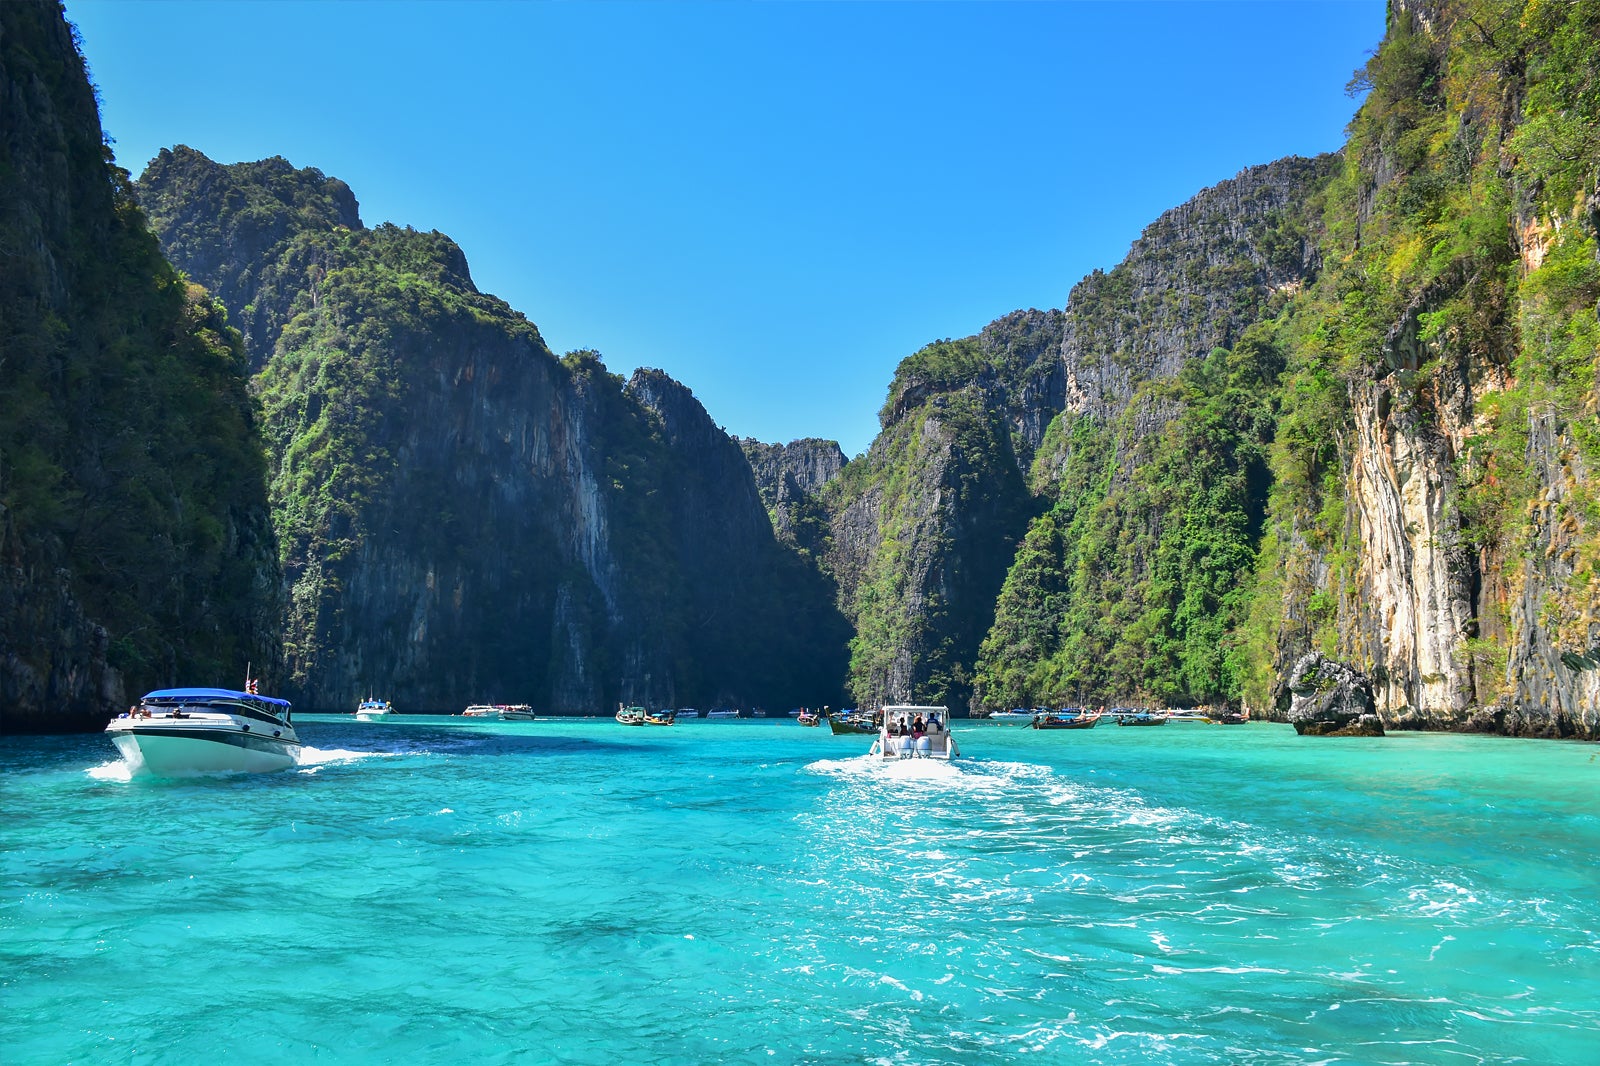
[(441, 890)]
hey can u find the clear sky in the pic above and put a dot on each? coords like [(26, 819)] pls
[(774, 203)]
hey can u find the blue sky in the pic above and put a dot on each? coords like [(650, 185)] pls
[(774, 203)]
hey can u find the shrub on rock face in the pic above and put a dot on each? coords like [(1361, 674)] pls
[(1331, 699)]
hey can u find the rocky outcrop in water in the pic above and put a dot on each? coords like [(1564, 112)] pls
[(1331, 699)]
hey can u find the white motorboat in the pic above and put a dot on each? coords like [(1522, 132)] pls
[(516, 712), (178, 731), (899, 739), (371, 710), (481, 710), (1015, 716), (1195, 717)]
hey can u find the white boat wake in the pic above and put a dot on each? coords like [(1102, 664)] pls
[(309, 760), (862, 766), (115, 770)]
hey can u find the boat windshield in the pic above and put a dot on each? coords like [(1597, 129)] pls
[(220, 700)]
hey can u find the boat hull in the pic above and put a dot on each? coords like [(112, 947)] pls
[(165, 751), (842, 727), (939, 745), (1012, 718)]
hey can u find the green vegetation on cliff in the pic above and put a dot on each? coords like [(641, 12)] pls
[(945, 503), (463, 516), (1455, 338), (131, 472), (1133, 587), (1392, 463)]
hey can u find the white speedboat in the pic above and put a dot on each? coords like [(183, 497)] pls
[(516, 712), (1195, 717), (1015, 716), (899, 739), (481, 710), (371, 710), (177, 731)]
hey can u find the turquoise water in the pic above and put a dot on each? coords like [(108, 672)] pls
[(432, 890)]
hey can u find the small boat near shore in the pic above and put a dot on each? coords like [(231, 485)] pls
[(1194, 717), (516, 712), (898, 738), (1067, 720), (371, 710), (1015, 716), (178, 731), (660, 718), (853, 723), (630, 715), (1143, 718), (809, 717), (481, 710)]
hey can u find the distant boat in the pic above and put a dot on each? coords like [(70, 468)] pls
[(722, 713), (206, 730), (1015, 716), (1190, 716), (1143, 718), (686, 712), (1067, 720), (630, 715), (934, 743), (371, 710), (516, 712), (808, 717), (1229, 717), (659, 718), (481, 710), (853, 723)]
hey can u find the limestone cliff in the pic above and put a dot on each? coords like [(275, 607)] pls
[(134, 544), (464, 516), (924, 526), (791, 479), (981, 435), (1449, 548)]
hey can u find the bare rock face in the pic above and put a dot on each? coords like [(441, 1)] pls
[(1331, 699)]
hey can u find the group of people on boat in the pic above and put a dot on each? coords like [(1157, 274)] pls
[(916, 727)]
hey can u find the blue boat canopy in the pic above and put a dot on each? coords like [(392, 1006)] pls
[(212, 694)]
